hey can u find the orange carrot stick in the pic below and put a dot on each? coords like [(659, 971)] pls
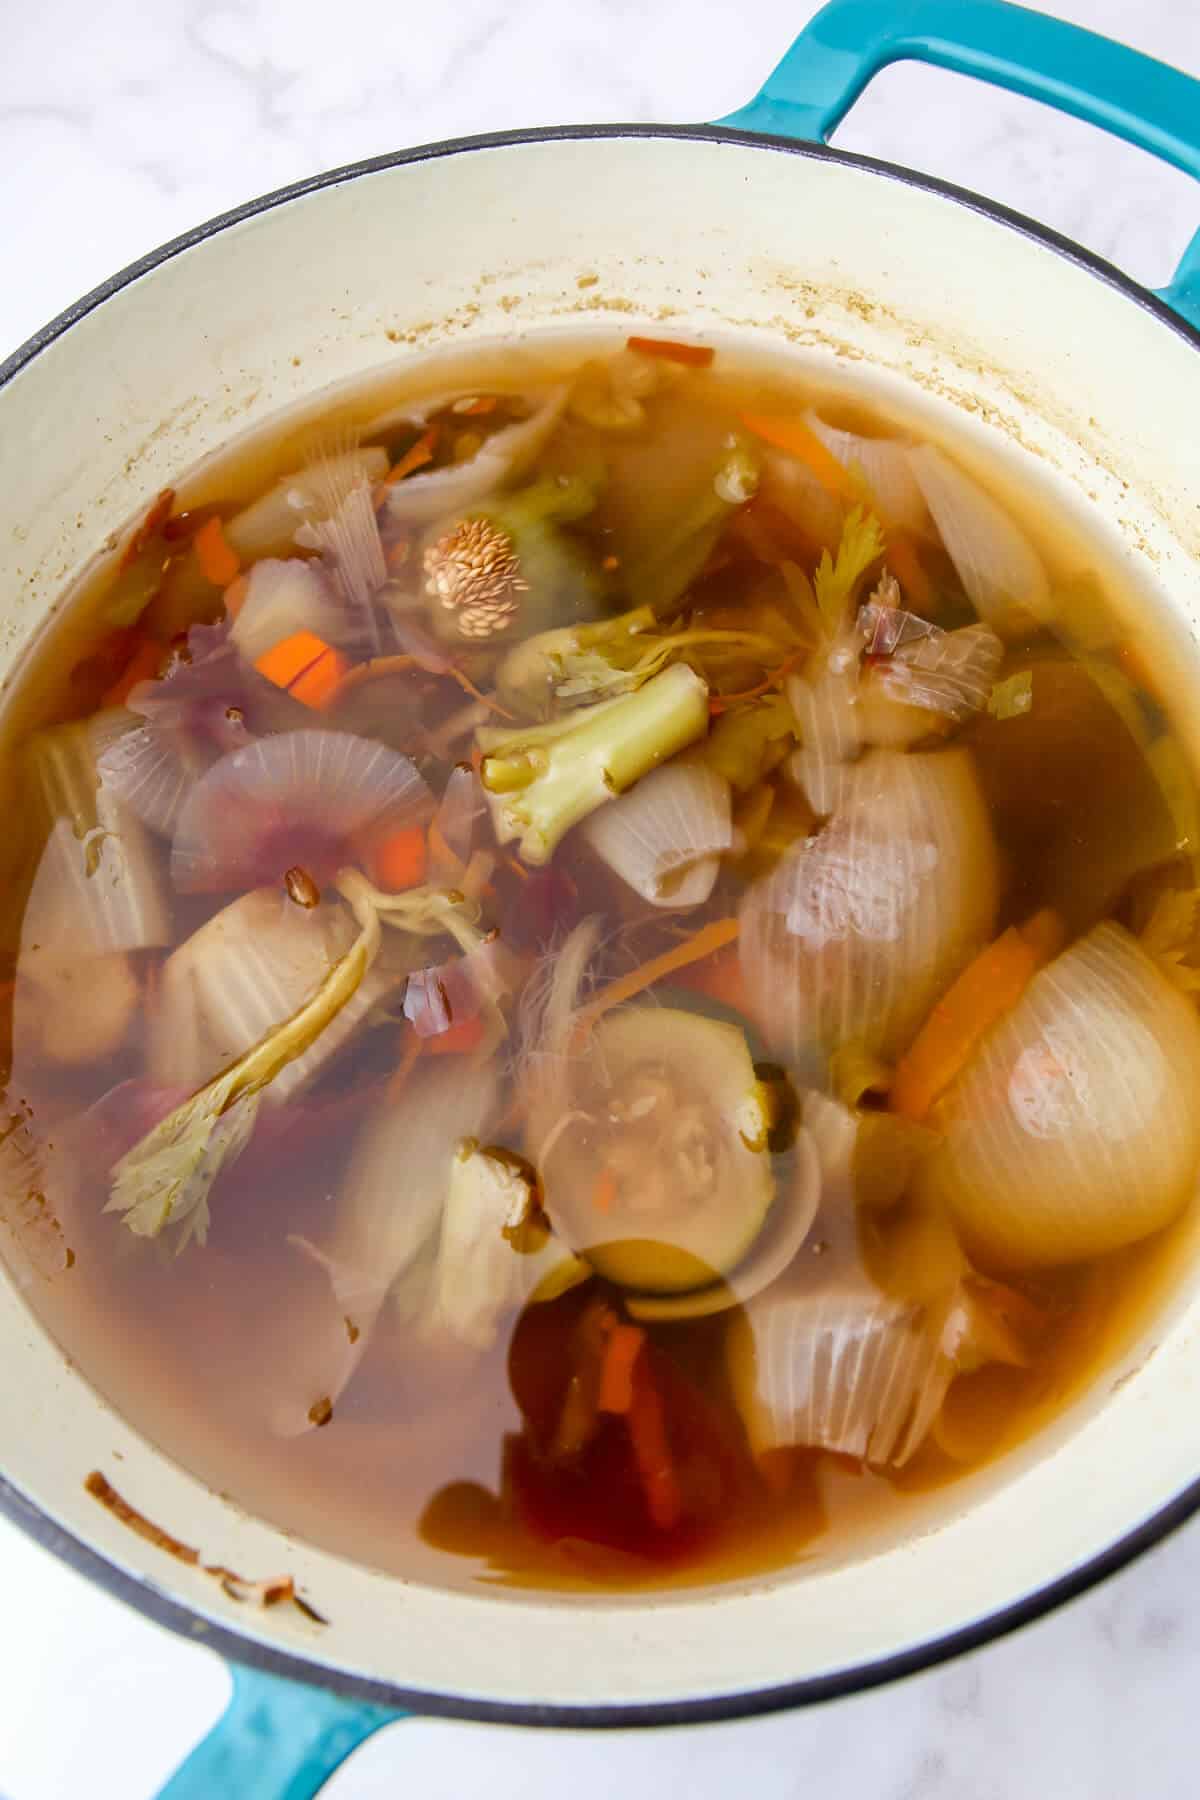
[(605, 1191), (692, 356), (415, 457), (793, 435), (219, 562), (651, 1452), (621, 1352), (710, 937), (988, 988), (305, 666), (400, 860)]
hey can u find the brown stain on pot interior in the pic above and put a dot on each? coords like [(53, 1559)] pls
[(274, 1591)]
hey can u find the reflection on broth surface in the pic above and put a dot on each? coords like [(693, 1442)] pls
[(601, 964)]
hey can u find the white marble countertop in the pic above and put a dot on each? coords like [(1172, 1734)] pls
[(121, 125)]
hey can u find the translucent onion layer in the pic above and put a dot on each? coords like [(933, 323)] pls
[(1074, 1129), (308, 798), (859, 929), (667, 835)]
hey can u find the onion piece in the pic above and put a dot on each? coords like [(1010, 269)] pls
[(932, 683), (98, 886), (840, 1367), (500, 460), (267, 527), (456, 991), (452, 832), (316, 799), (885, 468), (180, 724), (283, 596), (826, 714), (1003, 576), (246, 971), (480, 1274), (388, 1213), (858, 930), (350, 545), (1074, 1129), (665, 837)]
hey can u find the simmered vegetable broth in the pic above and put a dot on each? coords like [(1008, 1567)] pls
[(602, 972)]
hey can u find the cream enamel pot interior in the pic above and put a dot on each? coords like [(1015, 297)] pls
[(1014, 342)]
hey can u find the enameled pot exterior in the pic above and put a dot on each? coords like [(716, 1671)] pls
[(1022, 348)]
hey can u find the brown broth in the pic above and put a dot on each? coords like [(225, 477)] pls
[(426, 1465)]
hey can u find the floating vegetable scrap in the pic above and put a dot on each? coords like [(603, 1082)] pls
[(637, 920)]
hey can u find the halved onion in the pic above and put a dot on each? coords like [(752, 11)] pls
[(666, 836), (885, 469), (1074, 1128), (860, 928), (313, 799), (1003, 576), (247, 970), (499, 461)]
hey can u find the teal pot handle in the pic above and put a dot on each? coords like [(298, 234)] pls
[(850, 41), (276, 1740)]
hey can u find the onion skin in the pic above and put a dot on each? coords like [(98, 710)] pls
[(859, 929), (1074, 1129)]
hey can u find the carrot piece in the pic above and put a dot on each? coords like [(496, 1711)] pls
[(722, 979), (459, 1040), (621, 1352), (143, 665), (149, 528), (794, 436), (400, 860), (415, 457), (988, 988), (475, 409), (605, 1191), (219, 561), (711, 937), (907, 567), (305, 666), (651, 1452), (235, 595), (692, 356)]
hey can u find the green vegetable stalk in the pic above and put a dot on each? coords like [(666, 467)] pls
[(678, 557), (543, 779)]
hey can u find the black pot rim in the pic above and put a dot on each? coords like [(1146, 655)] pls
[(149, 1599)]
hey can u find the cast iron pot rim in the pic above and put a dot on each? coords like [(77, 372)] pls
[(145, 1596)]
